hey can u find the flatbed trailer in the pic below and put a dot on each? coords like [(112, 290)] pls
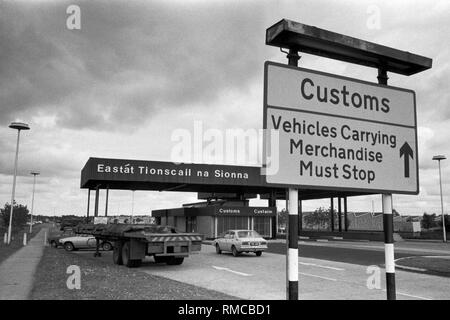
[(133, 242)]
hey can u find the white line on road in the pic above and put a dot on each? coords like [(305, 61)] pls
[(320, 266), (313, 275), (411, 295), (232, 271)]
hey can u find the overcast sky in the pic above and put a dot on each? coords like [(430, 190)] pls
[(138, 70)]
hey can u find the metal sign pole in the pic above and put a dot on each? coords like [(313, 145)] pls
[(444, 232), (292, 238), (388, 224), (292, 254)]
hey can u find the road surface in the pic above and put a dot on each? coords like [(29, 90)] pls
[(344, 274)]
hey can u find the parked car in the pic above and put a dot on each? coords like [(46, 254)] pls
[(238, 241), (54, 238), (82, 241)]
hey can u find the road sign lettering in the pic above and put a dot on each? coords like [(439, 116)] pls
[(309, 90), (340, 133)]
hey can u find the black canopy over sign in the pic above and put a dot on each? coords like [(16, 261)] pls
[(124, 174)]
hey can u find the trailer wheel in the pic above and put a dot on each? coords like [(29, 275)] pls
[(130, 263), (117, 253), (172, 261)]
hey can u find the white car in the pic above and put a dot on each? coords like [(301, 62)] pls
[(83, 241), (238, 241)]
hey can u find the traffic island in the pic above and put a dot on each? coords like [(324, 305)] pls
[(434, 265)]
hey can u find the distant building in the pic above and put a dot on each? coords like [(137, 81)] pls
[(368, 221), (125, 219)]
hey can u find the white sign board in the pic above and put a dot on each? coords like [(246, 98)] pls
[(339, 133), (100, 220)]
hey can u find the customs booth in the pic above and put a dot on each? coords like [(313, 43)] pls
[(213, 219)]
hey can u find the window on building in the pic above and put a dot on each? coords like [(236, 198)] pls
[(231, 222), (262, 225), (191, 224)]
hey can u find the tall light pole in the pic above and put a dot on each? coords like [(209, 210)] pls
[(439, 158), (34, 173), (18, 126)]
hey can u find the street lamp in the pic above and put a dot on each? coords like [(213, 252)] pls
[(34, 173), (439, 158), (18, 126)]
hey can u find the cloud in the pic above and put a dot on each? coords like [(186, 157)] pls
[(138, 70), (127, 61)]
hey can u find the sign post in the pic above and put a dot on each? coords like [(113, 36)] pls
[(292, 254), (340, 134), (388, 218)]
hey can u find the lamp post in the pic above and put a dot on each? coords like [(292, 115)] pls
[(439, 158), (34, 173), (18, 126)]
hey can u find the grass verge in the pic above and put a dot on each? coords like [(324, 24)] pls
[(16, 241), (431, 265), (102, 280)]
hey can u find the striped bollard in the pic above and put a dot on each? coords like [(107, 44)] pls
[(292, 254), (388, 227)]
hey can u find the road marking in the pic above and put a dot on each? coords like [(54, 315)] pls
[(232, 271), (320, 266), (316, 276), (411, 295)]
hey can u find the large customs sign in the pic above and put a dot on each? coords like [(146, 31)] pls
[(339, 133)]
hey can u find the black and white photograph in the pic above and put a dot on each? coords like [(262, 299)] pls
[(223, 156)]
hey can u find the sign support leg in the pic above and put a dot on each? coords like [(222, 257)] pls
[(300, 217), (107, 200), (97, 196), (345, 214), (292, 238), (292, 254), (88, 205), (388, 223), (388, 226), (332, 215)]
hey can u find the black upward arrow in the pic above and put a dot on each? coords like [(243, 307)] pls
[(407, 152)]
